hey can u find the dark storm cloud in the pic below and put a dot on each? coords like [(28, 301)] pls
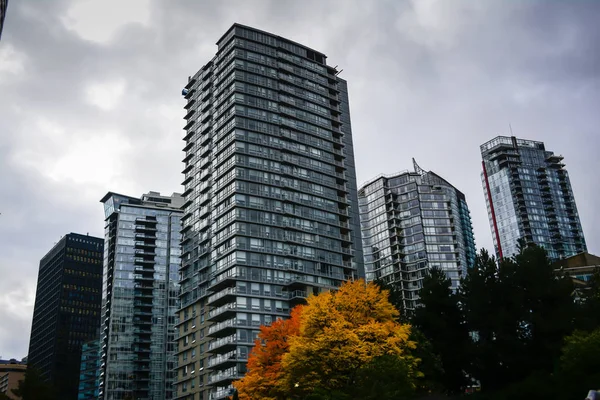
[(90, 104)]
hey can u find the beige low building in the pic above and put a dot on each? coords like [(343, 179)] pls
[(11, 372), (580, 268)]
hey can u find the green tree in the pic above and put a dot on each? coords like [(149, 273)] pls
[(518, 314), (479, 301), (34, 387), (578, 368), (385, 378), (547, 308), (588, 309), (395, 297), (440, 320), (430, 363)]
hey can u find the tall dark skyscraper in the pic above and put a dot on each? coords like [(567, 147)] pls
[(412, 222), (271, 210), (529, 197), (67, 310), (140, 291), (3, 7)]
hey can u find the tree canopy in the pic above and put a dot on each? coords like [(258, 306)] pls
[(34, 387), (515, 329), (343, 337), (264, 379)]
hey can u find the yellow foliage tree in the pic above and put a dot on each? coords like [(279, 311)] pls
[(341, 332)]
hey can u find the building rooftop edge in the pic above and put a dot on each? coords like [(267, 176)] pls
[(509, 138), (237, 24), (64, 238), (108, 194)]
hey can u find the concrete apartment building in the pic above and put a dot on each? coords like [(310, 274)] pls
[(271, 208)]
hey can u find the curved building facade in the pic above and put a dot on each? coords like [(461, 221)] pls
[(411, 222)]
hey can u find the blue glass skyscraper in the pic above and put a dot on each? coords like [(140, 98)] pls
[(529, 198), (140, 291)]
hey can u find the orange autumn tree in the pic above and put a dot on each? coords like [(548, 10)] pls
[(326, 344), (341, 332), (264, 379)]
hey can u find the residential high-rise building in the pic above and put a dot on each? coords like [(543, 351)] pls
[(140, 296), (3, 6), (271, 212), (67, 310), (412, 222), (529, 198)]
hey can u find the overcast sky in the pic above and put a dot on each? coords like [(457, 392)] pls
[(90, 101)]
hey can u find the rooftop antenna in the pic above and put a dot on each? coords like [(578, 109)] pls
[(510, 127)]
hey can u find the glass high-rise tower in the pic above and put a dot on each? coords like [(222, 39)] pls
[(529, 198), (140, 289), (412, 222), (271, 209)]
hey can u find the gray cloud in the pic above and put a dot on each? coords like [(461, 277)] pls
[(89, 102)]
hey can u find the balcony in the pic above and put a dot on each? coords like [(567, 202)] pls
[(225, 326), (143, 278), (189, 114), (145, 252), (143, 261), (222, 343), (225, 359), (222, 296), (223, 312), (146, 229), (141, 286), (223, 377), (221, 393), (140, 294), (146, 236), (297, 295)]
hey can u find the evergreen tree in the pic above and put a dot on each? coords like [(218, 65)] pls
[(440, 320), (33, 387), (518, 314), (430, 364), (588, 310)]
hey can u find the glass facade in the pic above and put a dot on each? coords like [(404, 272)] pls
[(67, 310), (271, 213), (140, 291), (411, 222), (89, 372), (3, 6), (529, 198)]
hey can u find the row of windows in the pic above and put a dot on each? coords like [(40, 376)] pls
[(83, 252), (86, 260), (79, 311), (80, 288), (81, 273)]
